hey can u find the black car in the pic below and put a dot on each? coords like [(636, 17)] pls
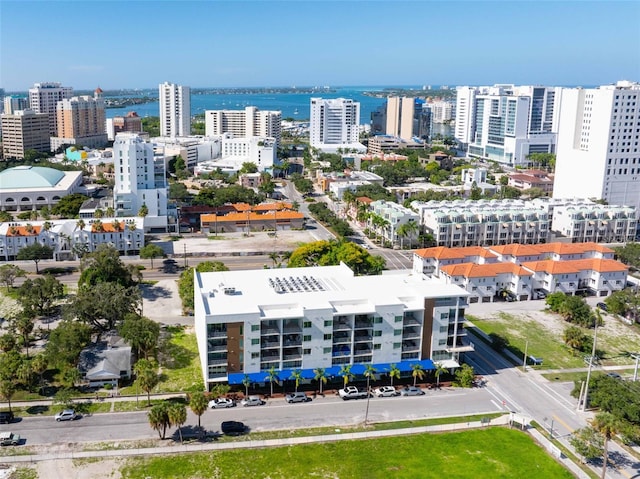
[(6, 417), (233, 427), (602, 306)]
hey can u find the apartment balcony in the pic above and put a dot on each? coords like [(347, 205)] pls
[(341, 360), (292, 365), (367, 358), (410, 333), (292, 340), (363, 325), (362, 337), (408, 346), (269, 344), (264, 331), (268, 364), (216, 334), (409, 356), (342, 337), (217, 348), (410, 321), (217, 362), (292, 329), (341, 326), (343, 350), (463, 345), (292, 355)]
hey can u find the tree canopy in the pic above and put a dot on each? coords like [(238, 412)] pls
[(226, 194), (37, 296), (104, 265), (185, 283), (326, 253), (629, 254), (35, 252), (69, 206)]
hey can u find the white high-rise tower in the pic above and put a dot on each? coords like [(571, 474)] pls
[(175, 110), (598, 144), (44, 98), (334, 123)]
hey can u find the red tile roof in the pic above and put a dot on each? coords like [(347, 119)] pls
[(472, 270), (22, 231), (443, 252), (576, 265)]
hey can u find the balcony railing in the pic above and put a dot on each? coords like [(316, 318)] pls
[(341, 326)]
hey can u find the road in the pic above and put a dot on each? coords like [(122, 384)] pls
[(528, 394), (276, 414)]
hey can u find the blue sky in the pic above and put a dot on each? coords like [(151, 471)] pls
[(139, 44)]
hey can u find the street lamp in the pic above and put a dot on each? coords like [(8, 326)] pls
[(593, 354), (636, 356)]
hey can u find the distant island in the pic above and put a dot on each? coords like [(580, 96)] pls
[(114, 102), (387, 92), (261, 90)]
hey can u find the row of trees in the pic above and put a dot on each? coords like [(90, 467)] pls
[(327, 217), (327, 253)]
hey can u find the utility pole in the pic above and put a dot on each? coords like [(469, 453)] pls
[(524, 362), (185, 255), (593, 354), (636, 356)]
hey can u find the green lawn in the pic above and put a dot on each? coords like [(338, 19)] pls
[(493, 452), (542, 343), (612, 349)]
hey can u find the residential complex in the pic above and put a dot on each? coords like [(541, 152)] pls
[(44, 98), (524, 272), (335, 123), (175, 110), (442, 111), (140, 180), (24, 130), (81, 120), (248, 322), (244, 123), (12, 104), (233, 152), (598, 154), (598, 223), (393, 216), (506, 123), (246, 218), (129, 123)]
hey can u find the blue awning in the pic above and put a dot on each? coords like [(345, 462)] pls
[(333, 371)]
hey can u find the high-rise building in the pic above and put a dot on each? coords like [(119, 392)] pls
[(44, 98), (598, 153), (139, 180), (13, 104), (506, 123), (24, 130), (441, 111), (175, 110), (81, 120), (335, 123), (400, 114), (243, 123)]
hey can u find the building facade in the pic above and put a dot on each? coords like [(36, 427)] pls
[(506, 123), (129, 123), (140, 179), (44, 98), (12, 104), (24, 130), (81, 120), (596, 223), (598, 154), (175, 109), (335, 123), (442, 111), (248, 322), (244, 123), (394, 216)]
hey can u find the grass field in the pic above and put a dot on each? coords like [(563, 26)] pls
[(494, 452), (542, 342)]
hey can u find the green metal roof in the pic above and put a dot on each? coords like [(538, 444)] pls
[(29, 177)]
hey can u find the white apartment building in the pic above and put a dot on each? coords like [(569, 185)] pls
[(429, 261), (44, 98), (70, 238), (248, 322), (139, 180), (483, 222), (13, 104), (598, 155), (596, 223), (244, 123), (441, 111), (395, 215), (335, 123), (24, 130), (236, 151), (505, 123), (175, 110), (192, 149)]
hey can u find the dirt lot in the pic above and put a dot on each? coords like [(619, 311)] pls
[(79, 469)]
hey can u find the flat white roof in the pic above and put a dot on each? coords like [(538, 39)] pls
[(287, 292)]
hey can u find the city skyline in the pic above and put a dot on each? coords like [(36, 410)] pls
[(267, 43)]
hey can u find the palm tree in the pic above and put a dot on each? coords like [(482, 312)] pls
[(198, 403), (98, 213), (116, 225), (345, 372), (321, 377), (29, 228), (297, 375), (439, 370), (369, 372), (97, 226), (275, 257), (80, 224), (159, 418), (143, 211), (272, 376), (394, 372), (607, 425), (47, 225), (178, 416), (246, 382), (402, 233), (417, 372), (411, 228), (110, 212)]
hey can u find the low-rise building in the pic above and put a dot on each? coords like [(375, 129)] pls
[(527, 179), (246, 218), (596, 223), (351, 179), (429, 261), (105, 363), (248, 322), (394, 216)]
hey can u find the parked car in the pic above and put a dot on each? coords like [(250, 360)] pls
[(9, 439), (66, 415), (614, 375), (602, 306), (411, 391), (6, 417), (221, 403), (539, 294), (252, 401), (297, 397), (386, 391), (232, 428)]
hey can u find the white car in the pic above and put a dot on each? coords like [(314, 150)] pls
[(221, 403), (411, 391), (386, 391), (66, 415), (252, 401)]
